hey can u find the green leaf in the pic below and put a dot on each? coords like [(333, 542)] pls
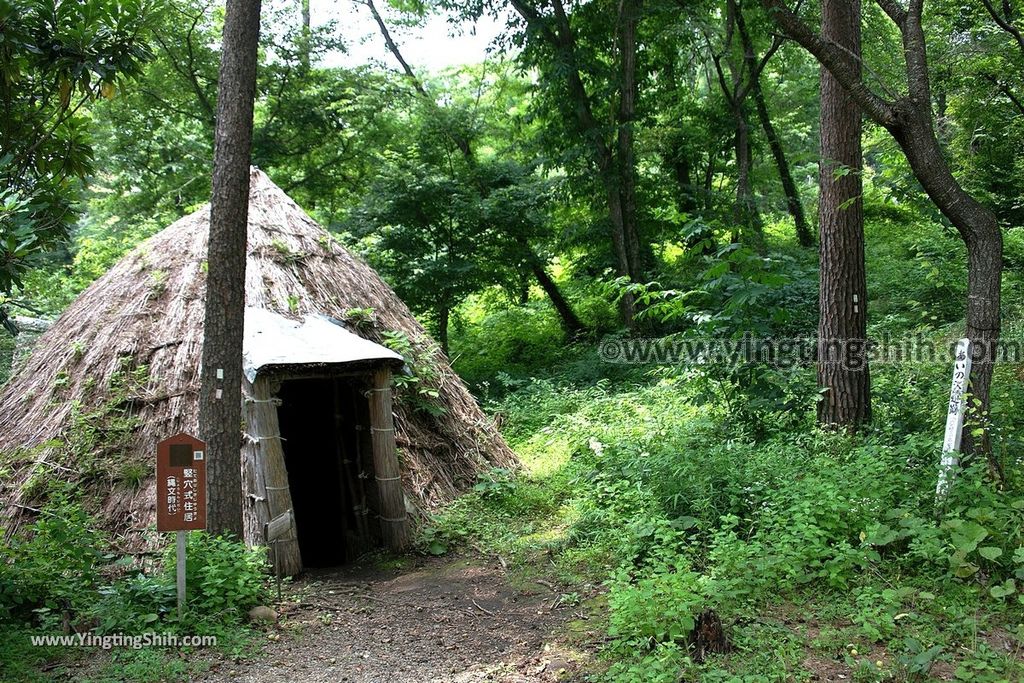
[(437, 548), (990, 552), (966, 570), (687, 522), (1008, 587), (967, 537)]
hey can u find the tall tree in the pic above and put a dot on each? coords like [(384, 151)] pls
[(909, 118), (56, 60), (743, 70), (842, 303), (614, 161), (220, 398), (789, 187), (525, 254)]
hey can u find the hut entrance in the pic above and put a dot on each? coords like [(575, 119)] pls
[(328, 455)]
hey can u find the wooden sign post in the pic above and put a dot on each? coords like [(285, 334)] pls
[(180, 495), (954, 420)]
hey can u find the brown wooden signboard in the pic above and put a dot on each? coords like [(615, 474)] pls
[(180, 484)]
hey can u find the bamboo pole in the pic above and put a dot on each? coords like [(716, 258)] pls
[(255, 512), (394, 521), (266, 428)]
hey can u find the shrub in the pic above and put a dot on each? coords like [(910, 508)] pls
[(224, 578)]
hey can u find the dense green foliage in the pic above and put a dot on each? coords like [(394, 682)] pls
[(675, 509), (55, 58), (62, 575), (674, 489), (493, 197)]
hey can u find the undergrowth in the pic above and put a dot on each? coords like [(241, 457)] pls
[(64, 576), (675, 490), (673, 509)]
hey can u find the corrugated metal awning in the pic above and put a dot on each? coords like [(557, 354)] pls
[(274, 341)]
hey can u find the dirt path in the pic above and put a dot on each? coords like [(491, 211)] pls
[(448, 620)]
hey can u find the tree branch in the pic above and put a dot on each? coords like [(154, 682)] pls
[(916, 54), (894, 10), (834, 59), (204, 101), (1005, 22), (1005, 89), (756, 66), (562, 41), (393, 48)]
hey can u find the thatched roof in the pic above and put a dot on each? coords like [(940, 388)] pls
[(120, 369)]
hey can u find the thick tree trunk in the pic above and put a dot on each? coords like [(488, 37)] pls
[(793, 203), (910, 121), (842, 327), (570, 323), (220, 400), (627, 304), (626, 157)]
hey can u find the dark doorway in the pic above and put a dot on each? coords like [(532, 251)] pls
[(325, 427)]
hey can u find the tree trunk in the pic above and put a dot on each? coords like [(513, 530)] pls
[(682, 169), (709, 178), (557, 32), (793, 203), (842, 327), (746, 219), (983, 237), (523, 297), (627, 304), (626, 156), (745, 215), (220, 400), (909, 119), (307, 35), (570, 323), (675, 155)]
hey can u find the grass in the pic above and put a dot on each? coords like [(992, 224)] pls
[(819, 550)]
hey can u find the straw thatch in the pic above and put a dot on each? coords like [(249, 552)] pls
[(120, 369)]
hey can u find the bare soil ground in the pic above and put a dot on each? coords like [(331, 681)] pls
[(453, 620)]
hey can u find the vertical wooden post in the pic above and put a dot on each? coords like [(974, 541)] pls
[(180, 572), (393, 519), (265, 432)]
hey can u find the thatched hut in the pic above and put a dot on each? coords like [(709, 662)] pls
[(119, 371)]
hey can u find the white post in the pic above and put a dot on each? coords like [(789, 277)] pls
[(954, 420), (180, 573)]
